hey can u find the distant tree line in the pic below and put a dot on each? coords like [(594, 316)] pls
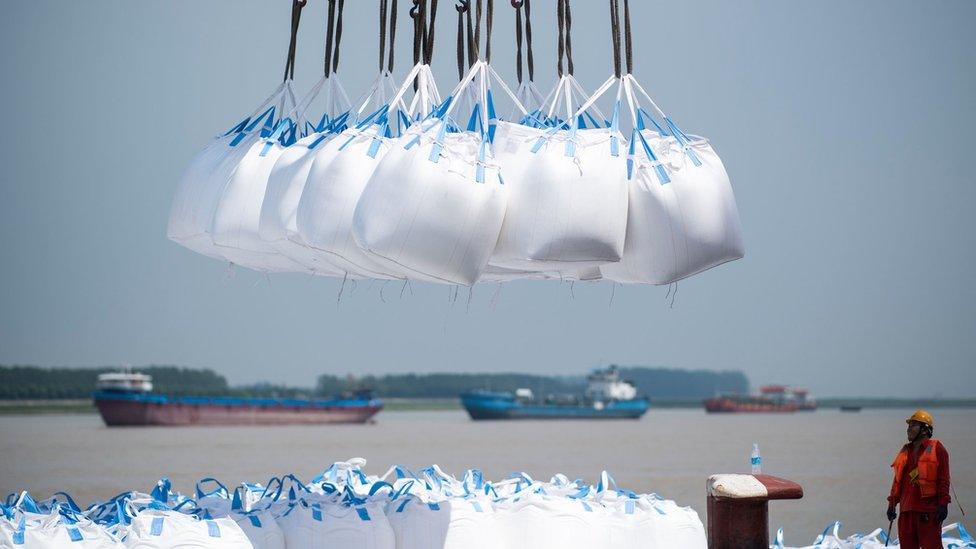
[(653, 382), (673, 383), (444, 385), (32, 382)]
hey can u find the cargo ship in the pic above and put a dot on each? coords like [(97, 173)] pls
[(771, 398), (606, 397), (127, 398)]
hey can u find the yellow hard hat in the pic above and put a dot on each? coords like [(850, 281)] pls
[(922, 416)]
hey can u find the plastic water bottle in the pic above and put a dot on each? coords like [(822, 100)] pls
[(756, 459)]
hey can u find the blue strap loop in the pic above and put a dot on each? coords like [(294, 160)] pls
[(662, 174), (379, 485), (405, 488), (28, 504), (219, 490)]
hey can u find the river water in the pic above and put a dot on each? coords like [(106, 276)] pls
[(841, 459)]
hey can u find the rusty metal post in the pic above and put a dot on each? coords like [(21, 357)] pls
[(738, 509)]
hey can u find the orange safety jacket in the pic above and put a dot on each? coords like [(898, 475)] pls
[(928, 479)]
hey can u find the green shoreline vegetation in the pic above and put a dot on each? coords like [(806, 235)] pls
[(36, 390), (76, 406)]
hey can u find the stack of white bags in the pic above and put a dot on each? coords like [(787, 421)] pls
[(403, 185), (954, 536), (344, 508)]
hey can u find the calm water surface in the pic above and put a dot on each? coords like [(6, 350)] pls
[(841, 459)]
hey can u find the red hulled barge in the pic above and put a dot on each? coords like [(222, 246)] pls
[(126, 398)]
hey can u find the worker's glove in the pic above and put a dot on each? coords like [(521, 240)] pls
[(892, 515), (943, 512)]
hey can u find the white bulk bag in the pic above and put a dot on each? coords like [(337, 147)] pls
[(339, 174), (470, 523), (567, 207), (336, 526), (830, 539), (238, 212), (55, 530), (202, 183), (547, 522), (261, 529), (683, 217), (437, 510), (162, 529), (646, 522), (435, 204), (417, 524), (288, 177), (257, 522)]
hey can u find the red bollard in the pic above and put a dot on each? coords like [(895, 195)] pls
[(738, 509)]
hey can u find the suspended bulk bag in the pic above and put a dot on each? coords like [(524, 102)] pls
[(238, 212), (434, 205), (290, 175), (567, 207), (287, 180), (162, 529), (339, 174), (202, 187), (202, 183), (683, 218)]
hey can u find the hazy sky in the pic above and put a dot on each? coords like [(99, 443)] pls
[(847, 128)]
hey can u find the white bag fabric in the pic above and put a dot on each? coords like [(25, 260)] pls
[(335, 182), (644, 522), (564, 212), (287, 181), (435, 203), (261, 529), (545, 522), (158, 529), (53, 531), (830, 539), (238, 212), (417, 524), (340, 172), (334, 525), (567, 206), (683, 218), (203, 181)]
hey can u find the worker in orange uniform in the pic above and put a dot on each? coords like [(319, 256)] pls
[(920, 486)]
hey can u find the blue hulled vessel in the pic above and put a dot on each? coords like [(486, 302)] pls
[(606, 397)]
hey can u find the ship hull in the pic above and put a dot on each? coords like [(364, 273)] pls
[(726, 405), (495, 407), (123, 410)]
